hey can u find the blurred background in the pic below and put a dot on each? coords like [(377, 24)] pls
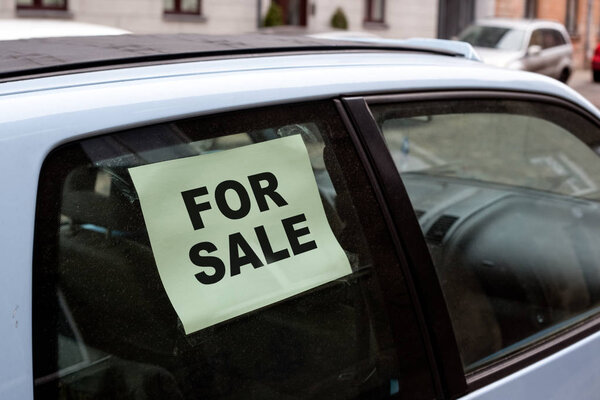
[(398, 19)]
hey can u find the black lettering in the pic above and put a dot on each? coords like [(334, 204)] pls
[(207, 261), (260, 193), (294, 234), (270, 255), (193, 209), (237, 241), (227, 211)]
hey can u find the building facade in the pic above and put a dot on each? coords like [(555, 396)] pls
[(388, 18)]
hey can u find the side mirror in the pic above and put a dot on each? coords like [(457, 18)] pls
[(534, 50)]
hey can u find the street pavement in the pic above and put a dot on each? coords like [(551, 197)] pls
[(581, 81)]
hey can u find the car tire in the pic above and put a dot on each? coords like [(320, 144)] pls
[(596, 75), (564, 75)]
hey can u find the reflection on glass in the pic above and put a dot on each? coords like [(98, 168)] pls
[(169, 5), (190, 6), (53, 3), (508, 202)]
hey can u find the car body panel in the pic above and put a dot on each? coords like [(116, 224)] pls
[(567, 374), (41, 114)]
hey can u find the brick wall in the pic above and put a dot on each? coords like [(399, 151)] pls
[(510, 8)]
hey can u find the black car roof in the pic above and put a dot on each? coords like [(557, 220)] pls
[(47, 56)]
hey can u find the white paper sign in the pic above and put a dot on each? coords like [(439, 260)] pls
[(237, 230)]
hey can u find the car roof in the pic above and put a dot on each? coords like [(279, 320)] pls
[(90, 100), (518, 23), (20, 59)]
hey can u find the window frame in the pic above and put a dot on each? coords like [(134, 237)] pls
[(302, 12), (47, 211), (178, 11), (369, 18), (404, 226), (39, 5), (508, 364)]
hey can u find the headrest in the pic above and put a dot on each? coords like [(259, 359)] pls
[(101, 197)]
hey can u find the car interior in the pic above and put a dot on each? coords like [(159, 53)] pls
[(508, 205)]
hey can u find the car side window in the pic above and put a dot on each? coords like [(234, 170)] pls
[(114, 314), (559, 39), (507, 194), (549, 38), (537, 38)]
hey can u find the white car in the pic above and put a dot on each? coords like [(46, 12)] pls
[(191, 217), (29, 28), (530, 45)]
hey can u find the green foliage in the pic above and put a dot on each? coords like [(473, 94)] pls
[(339, 20), (274, 16)]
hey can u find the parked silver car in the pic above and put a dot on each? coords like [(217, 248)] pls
[(529, 45)]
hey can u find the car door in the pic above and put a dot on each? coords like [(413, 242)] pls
[(553, 52), (303, 290), (505, 190), (535, 62)]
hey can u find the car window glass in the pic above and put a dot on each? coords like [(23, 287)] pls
[(493, 37), (537, 38), (105, 325), (559, 39), (549, 39), (507, 195)]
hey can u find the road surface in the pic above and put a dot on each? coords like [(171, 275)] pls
[(581, 80)]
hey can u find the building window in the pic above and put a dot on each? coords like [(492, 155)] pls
[(375, 11), (42, 4), (571, 17), (293, 11), (182, 7)]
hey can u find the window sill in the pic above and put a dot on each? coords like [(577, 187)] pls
[(43, 13), (174, 17), (375, 26)]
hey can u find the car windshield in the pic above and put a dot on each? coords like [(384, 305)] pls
[(493, 37)]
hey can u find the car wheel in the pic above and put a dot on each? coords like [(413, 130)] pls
[(564, 75), (596, 76)]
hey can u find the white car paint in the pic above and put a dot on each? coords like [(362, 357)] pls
[(40, 114), (28, 28)]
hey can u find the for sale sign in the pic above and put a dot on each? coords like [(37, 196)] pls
[(237, 230)]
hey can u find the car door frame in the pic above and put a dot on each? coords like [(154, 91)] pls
[(420, 275), (366, 134)]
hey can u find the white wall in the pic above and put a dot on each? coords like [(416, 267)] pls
[(410, 18), (7, 8), (146, 16), (403, 18), (485, 8)]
